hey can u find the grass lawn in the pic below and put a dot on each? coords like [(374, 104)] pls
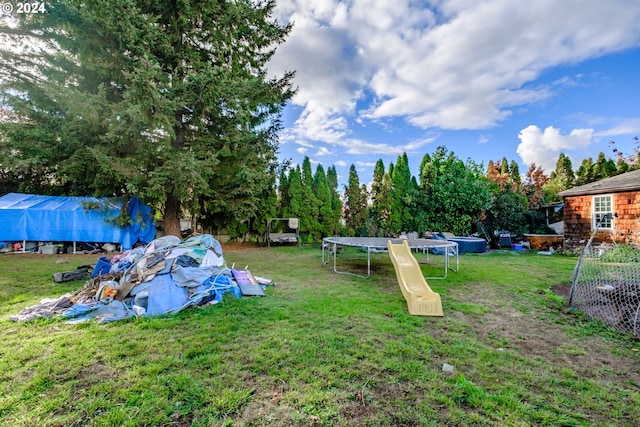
[(322, 349)]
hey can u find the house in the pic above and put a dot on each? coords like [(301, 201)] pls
[(587, 204)]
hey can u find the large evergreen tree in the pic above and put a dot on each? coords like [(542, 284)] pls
[(379, 212), (603, 167), (514, 172), (336, 202), (295, 196), (584, 174), (283, 192), (403, 196), (355, 204), (168, 101), (310, 215), (563, 172), (323, 194), (561, 178)]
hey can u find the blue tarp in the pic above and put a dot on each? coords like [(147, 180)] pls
[(66, 219)]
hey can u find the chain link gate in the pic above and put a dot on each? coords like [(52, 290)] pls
[(606, 284)]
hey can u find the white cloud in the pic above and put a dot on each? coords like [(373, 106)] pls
[(467, 72), (365, 164), (454, 64), (356, 146), (323, 151), (544, 147), (622, 127)]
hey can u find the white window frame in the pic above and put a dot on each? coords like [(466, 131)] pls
[(607, 224)]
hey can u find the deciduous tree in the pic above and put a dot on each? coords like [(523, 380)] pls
[(533, 186), (456, 193)]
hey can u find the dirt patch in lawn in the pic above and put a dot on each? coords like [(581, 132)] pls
[(562, 290), (540, 335), (240, 247)]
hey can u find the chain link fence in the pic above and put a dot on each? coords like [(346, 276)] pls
[(606, 285)]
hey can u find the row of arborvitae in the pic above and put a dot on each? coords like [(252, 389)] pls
[(448, 195)]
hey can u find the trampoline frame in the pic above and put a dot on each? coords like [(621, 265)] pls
[(380, 243)]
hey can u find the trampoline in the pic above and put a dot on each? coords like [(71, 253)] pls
[(377, 244)]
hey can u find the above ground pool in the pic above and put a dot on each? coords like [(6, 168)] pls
[(469, 244)]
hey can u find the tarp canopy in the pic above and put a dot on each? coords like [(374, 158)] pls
[(30, 217)]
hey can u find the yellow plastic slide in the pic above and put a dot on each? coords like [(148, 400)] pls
[(421, 300)]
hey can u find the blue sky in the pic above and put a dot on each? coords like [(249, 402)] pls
[(485, 78)]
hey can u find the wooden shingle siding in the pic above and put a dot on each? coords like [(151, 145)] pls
[(578, 211)]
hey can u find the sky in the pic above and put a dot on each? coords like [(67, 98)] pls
[(487, 79)]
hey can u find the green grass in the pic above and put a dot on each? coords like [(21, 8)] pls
[(323, 349)]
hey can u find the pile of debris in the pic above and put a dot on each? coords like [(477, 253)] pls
[(166, 276)]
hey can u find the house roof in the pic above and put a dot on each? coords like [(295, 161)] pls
[(629, 181)]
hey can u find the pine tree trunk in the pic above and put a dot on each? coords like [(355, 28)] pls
[(172, 216)]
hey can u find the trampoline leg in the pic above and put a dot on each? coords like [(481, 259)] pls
[(323, 261), (446, 262), (335, 269)]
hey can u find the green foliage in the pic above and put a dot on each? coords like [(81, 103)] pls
[(563, 172), (323, 193), (403, 196), (602, 168), (514, 174), (562, 178), (106, 207), (451, 196), (507, 212), (622, 253), (314, 199), (380, 213), (336, 202), (621, 166), (584, 174), (296, 196), (310, 213), (455, 193), (355, 209)]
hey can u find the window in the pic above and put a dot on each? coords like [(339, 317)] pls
[(602, 205)]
